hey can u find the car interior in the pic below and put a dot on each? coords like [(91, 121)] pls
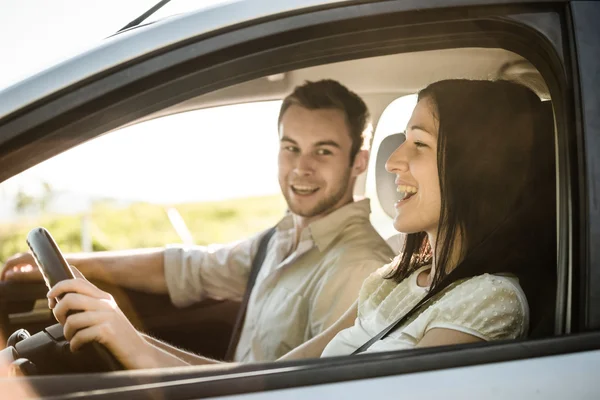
[(205, 327)]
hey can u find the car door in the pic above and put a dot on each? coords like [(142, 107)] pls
[(559, 38)]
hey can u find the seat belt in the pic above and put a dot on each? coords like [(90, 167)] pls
[(259, 258), (391, 327), (397, 323)]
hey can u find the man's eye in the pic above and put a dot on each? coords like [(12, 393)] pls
[(292, 149), (323, 152)]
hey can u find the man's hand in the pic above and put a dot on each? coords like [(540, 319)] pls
[(99, 319), (21, 268)]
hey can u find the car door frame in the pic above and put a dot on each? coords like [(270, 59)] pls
[(568, 83)]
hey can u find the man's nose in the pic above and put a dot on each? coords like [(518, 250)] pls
[(304, 165)]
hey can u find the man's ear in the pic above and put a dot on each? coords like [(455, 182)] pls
[(360, 162)]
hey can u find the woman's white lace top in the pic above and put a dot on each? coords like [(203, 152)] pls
[(490, 307)]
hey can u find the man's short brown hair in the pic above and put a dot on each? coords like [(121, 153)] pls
[(330, 94)]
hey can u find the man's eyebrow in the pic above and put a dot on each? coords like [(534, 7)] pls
[(419, 127), (317, 144), (287, 139), (328, 143)]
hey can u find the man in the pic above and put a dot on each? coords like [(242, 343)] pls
[(321, 251)]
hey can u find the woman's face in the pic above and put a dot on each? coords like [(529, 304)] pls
[(415, 166)]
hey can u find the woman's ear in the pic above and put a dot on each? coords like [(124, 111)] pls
[(360, 162)]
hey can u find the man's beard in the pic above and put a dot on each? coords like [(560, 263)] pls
[(324, 205)]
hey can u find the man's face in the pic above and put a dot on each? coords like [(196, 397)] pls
[(315, 173)]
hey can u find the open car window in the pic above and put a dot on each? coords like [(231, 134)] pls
[(125, 189)]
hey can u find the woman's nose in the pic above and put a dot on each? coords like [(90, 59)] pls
[(397, 161)]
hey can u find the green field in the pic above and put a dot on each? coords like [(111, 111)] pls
[(147, 225)]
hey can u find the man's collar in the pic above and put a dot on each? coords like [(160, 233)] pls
[(325, 230)]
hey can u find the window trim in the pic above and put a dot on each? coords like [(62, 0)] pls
[(159, 82), (196, 382)]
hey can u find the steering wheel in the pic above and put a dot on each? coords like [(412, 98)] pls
[(48, 350)]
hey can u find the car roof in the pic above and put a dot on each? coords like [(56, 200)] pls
[(137, 42)]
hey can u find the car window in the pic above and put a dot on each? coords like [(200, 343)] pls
[(189, 177)]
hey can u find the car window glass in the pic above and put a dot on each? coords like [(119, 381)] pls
[(133, 187)]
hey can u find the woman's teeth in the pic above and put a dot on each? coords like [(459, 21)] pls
[(406, 191)]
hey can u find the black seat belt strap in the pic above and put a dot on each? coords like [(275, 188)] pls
[(391, 327), (259, 258)]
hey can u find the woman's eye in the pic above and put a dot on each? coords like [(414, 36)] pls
[(420, 144)]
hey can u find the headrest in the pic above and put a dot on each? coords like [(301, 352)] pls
[(384, 181)]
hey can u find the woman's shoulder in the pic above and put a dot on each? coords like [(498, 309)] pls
[(489, 286), (488, 303), (489, 289)]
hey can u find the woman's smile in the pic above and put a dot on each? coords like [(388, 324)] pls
[(406, 191), (414, 163)]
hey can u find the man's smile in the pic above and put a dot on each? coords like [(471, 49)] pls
[(304, 189)]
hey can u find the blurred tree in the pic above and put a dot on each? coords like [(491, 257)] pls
[(46, 197), (115, 227), (23, 202)]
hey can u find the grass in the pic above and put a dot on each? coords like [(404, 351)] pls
[(147, 225)]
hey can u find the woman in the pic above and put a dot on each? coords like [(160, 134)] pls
[(476, 175)]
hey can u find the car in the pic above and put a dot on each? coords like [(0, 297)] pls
[(257, 50)]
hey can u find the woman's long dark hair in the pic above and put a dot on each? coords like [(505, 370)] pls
[(498, 193)]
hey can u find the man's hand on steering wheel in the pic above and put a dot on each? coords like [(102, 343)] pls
[(89, 314)]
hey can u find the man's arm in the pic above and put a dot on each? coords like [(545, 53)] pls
[(338, 290), (100, 320), (188, 357), (310, 349), (187, 273), (315, 346), (164, 355), (140, 269)]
